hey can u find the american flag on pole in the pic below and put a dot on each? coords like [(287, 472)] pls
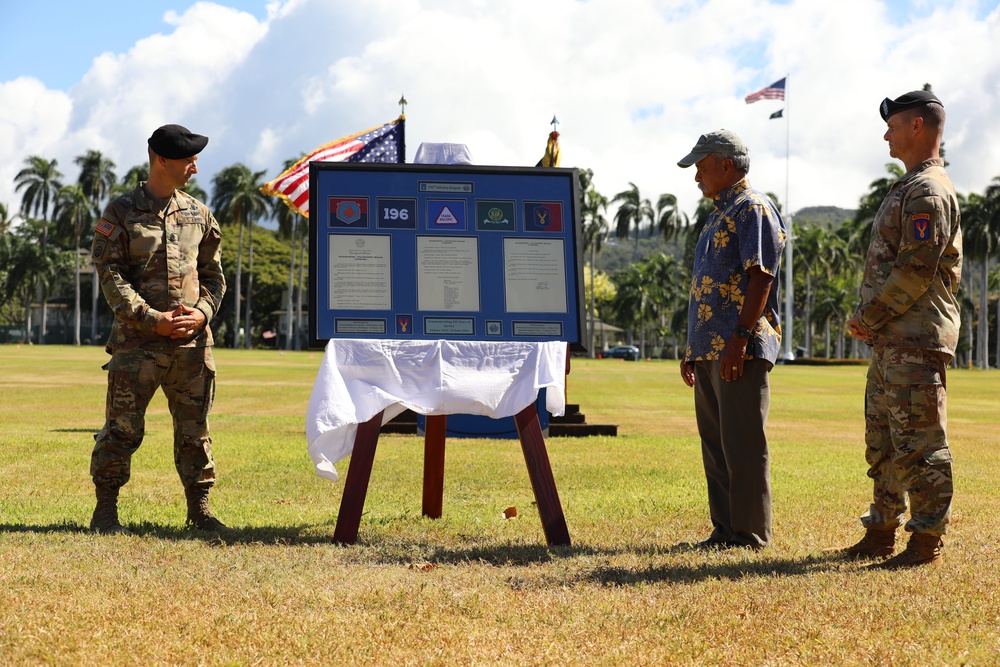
[(378, 144), (776, 91)]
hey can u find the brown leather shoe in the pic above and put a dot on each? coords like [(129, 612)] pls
[(876, 543), (922, 549)]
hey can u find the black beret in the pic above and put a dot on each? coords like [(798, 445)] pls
[(175, 142), (917, 98)]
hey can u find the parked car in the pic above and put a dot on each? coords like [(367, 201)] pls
[(626, 352)]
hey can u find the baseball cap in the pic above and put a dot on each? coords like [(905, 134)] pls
[(917, 98), (722, 142), (176, 142)]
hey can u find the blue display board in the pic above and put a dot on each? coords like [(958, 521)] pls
[(403, 251)]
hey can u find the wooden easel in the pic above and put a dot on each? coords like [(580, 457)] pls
[(535, 456)]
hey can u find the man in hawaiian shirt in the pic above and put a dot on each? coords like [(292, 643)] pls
[(733, 340)]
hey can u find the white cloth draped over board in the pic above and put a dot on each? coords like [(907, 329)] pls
[(358, 378)]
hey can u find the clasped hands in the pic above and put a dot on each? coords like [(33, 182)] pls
[(182, 322)]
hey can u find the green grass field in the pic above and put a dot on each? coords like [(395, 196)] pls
[(473, 588)]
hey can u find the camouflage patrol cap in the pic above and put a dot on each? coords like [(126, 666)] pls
[(176, 142), (917, 98), (723, 142)]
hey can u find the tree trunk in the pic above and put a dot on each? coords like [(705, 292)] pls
[(94, 289), (998, 334), (807, 329), (590, 305), (248, 331), (298, 297), (27, 319), (291, 295), (237, 295), (76, 296), (983, 343), (43, 300)]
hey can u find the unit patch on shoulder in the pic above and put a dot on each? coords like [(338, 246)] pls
[(104, 227), (922, 226)]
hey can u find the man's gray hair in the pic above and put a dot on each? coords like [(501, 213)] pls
[(741, 161)]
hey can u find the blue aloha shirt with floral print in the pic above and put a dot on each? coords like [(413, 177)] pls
[(745, 230)]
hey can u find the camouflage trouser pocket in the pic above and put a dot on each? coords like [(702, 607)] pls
[(122, 390), (938, 457), (915, 392)]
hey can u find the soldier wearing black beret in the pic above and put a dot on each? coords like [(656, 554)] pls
[(914, 100), (157, 252), (909, 314)]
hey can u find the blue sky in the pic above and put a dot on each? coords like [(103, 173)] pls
[(55, 41), (633, 82)]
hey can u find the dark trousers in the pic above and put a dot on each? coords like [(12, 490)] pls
[(731, 419)]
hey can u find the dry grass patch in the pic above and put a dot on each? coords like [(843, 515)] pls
[(473, 588)]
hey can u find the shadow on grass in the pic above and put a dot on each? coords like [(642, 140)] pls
[(267, 535), (669, 564), (714, 568)]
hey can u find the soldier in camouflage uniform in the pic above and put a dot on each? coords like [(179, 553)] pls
[(157, 252), (910, 316)]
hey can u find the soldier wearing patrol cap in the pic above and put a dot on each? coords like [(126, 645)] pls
[(909, 314), (157, 252)]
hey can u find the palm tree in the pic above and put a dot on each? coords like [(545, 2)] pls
[(294, 228), (981, 239), (705, 209), (6, 220), (238, 199), (40, 182), (595, 226), (834, 304), (37, 270), (858, 232), (97, 177), (817, 249), (629, 305), (74, 215), (633, 210), (195, 190), (670, 220), (133, 177), (665, 294), (98, 182), (18, 262)]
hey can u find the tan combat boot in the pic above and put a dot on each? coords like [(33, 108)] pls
[(199, 515), (877, 543), (105, 519), (922, 549)]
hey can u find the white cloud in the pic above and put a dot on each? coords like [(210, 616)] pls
[(633, 83), (31, 120)]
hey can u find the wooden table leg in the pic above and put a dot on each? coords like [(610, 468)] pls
[(435, 428), (542, 481), (356, 486)]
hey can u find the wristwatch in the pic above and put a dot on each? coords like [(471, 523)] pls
[(743, 332)]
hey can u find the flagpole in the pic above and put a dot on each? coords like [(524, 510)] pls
[(789, 285), (402, 129)]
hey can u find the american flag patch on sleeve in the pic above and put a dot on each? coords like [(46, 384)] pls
[(104, 227)]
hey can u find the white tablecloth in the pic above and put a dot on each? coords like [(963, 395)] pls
[(358, 378)]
